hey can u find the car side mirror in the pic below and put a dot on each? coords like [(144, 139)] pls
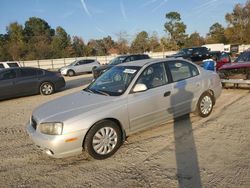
[(139, 88)]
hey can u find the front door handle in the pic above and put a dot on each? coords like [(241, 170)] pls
[(167, 93)]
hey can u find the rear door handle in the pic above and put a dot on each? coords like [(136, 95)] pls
[(167, 93)]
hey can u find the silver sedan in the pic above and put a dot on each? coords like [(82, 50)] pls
[(126, 99)]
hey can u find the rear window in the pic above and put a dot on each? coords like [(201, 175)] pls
[(13, 64), (244, 57), (182, 70)]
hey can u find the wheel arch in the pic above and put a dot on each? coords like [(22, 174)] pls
[(46, 81), (116, 121)]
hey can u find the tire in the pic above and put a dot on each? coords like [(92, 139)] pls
[(71, 73), (205, 104), (103, 140), (46, 88)]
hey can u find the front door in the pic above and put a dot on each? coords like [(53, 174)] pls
[(150, 107)]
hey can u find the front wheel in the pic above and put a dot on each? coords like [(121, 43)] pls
[(103, 139), (71, 73), (46, 88), (205, 104)]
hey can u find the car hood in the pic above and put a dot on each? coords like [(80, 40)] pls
[(69, 106), (235, 65)]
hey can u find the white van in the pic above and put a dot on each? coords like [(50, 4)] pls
[(9, 64)]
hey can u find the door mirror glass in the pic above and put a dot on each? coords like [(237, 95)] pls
[(139, 88)]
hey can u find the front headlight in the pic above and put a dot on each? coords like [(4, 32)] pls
[(55, 128)]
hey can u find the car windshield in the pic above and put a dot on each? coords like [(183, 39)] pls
[(244, 57), (114, 82), (73, 63), (117, 60)]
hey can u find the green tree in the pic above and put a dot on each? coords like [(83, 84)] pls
[(141, 43), (176, 29), (78, 46), (61, 43), (16, 42), (216, 34), (238, 30), (4, 54), (194, 40), (38, 35)]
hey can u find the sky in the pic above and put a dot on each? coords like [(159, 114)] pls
[(95, 19)]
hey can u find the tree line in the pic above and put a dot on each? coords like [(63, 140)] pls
[(37, 40)]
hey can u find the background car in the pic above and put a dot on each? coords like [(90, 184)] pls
[(194, 54), (9, 64), (128, 98), (118, 60), (79, 66), (239, 69), (27, 81), (221, 58)]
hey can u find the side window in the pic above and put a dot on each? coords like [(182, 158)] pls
[(1, 66), (89, 61), (28, 72), (129, 59), (153, 76), (182, 70), (82, 62), (10, 74), (39, 72)]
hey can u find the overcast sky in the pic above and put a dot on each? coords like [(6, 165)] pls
[(98, 18)]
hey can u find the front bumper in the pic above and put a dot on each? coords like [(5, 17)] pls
[(57, 146), (60, 83), (64, 72)]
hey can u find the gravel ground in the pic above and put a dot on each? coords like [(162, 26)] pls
[(188, 152)]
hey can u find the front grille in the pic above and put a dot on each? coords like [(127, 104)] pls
[(33, 123)]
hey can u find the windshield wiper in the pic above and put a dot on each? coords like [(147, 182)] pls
[(88, 90), (102, 92)]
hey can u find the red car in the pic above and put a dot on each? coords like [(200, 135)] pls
[(222, 58), (239, 69)]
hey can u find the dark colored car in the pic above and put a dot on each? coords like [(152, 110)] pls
[(239, 69), (118, 60), (23, 81), (194, 54)]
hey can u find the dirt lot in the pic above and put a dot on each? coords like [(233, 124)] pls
[(188, 152)]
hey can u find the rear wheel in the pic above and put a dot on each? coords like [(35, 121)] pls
[(205, 104), (71, 73), (46, 88), (103, 139)]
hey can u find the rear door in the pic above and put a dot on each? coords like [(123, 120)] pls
[(150, 107), (7, 84), (187, 86), (27, 81), (89, 64)]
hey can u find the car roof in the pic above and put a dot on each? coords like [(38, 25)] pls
[(141, 63), (15, 68)]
